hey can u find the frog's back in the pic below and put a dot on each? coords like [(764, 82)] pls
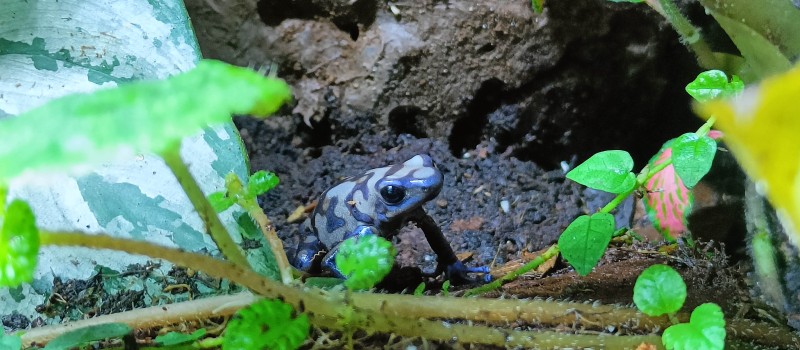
[(379, 198)]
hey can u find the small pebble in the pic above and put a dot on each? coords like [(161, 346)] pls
[(564, 166), (505, 206)]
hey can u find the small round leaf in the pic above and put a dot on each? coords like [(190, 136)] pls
[(267, 324), (659, 290), (261, 181), (705, 330), (220, 201), (365, 260)]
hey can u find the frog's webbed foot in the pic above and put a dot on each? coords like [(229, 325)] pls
[(458, 273)]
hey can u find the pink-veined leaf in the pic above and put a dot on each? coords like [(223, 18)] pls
[(667, 200)]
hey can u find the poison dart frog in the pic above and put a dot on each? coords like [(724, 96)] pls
[(379, 202)]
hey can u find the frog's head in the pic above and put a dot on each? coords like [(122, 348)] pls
[(405, 187)]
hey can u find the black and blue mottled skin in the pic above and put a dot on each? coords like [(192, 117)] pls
[(378, 202)]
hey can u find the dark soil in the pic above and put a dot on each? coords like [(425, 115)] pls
[(501, 98)]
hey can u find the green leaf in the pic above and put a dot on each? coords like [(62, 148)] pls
[(420, 289), (175, 338), (667, 200), (135, 118), (134, 197), (766, 32), (705, 330), (713, 84), (267, 324), (10, 342), (631, 1), (608, 171), (260, 182), (220, 201), (659, 290), (365, 260), (263, 261), (761, 127), (446, 288), (585, 240), (537, 6), (247, 226), (87, 335), (19, 244), (692, 156)]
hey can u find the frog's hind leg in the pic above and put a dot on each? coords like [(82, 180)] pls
[(453, 269)]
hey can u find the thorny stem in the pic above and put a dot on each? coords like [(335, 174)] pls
[(389, 314), (645, 175), (405, 315), (275, 244), (214, 227)]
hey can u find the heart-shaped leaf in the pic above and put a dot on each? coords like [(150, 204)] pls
[(761, 127), (667, 201), (608, 171), (705, 330), (585, 240), (692, 156)]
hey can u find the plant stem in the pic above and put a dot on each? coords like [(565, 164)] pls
[(706, 127), (388, 314), (275, 243), (616, 201), (214, 227), (547, 255), (645, 175), (689, 33), (405, 315)]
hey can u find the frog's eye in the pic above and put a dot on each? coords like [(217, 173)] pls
[(393, 194)]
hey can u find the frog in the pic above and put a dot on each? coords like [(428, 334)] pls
[(379, 202)]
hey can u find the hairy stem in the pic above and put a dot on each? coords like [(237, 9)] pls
[(689, 33), (275, 243), (214, 227), (390, 314)]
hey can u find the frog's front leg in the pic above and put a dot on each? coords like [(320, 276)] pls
[(446, 259), (309, 251), (329, 261)]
